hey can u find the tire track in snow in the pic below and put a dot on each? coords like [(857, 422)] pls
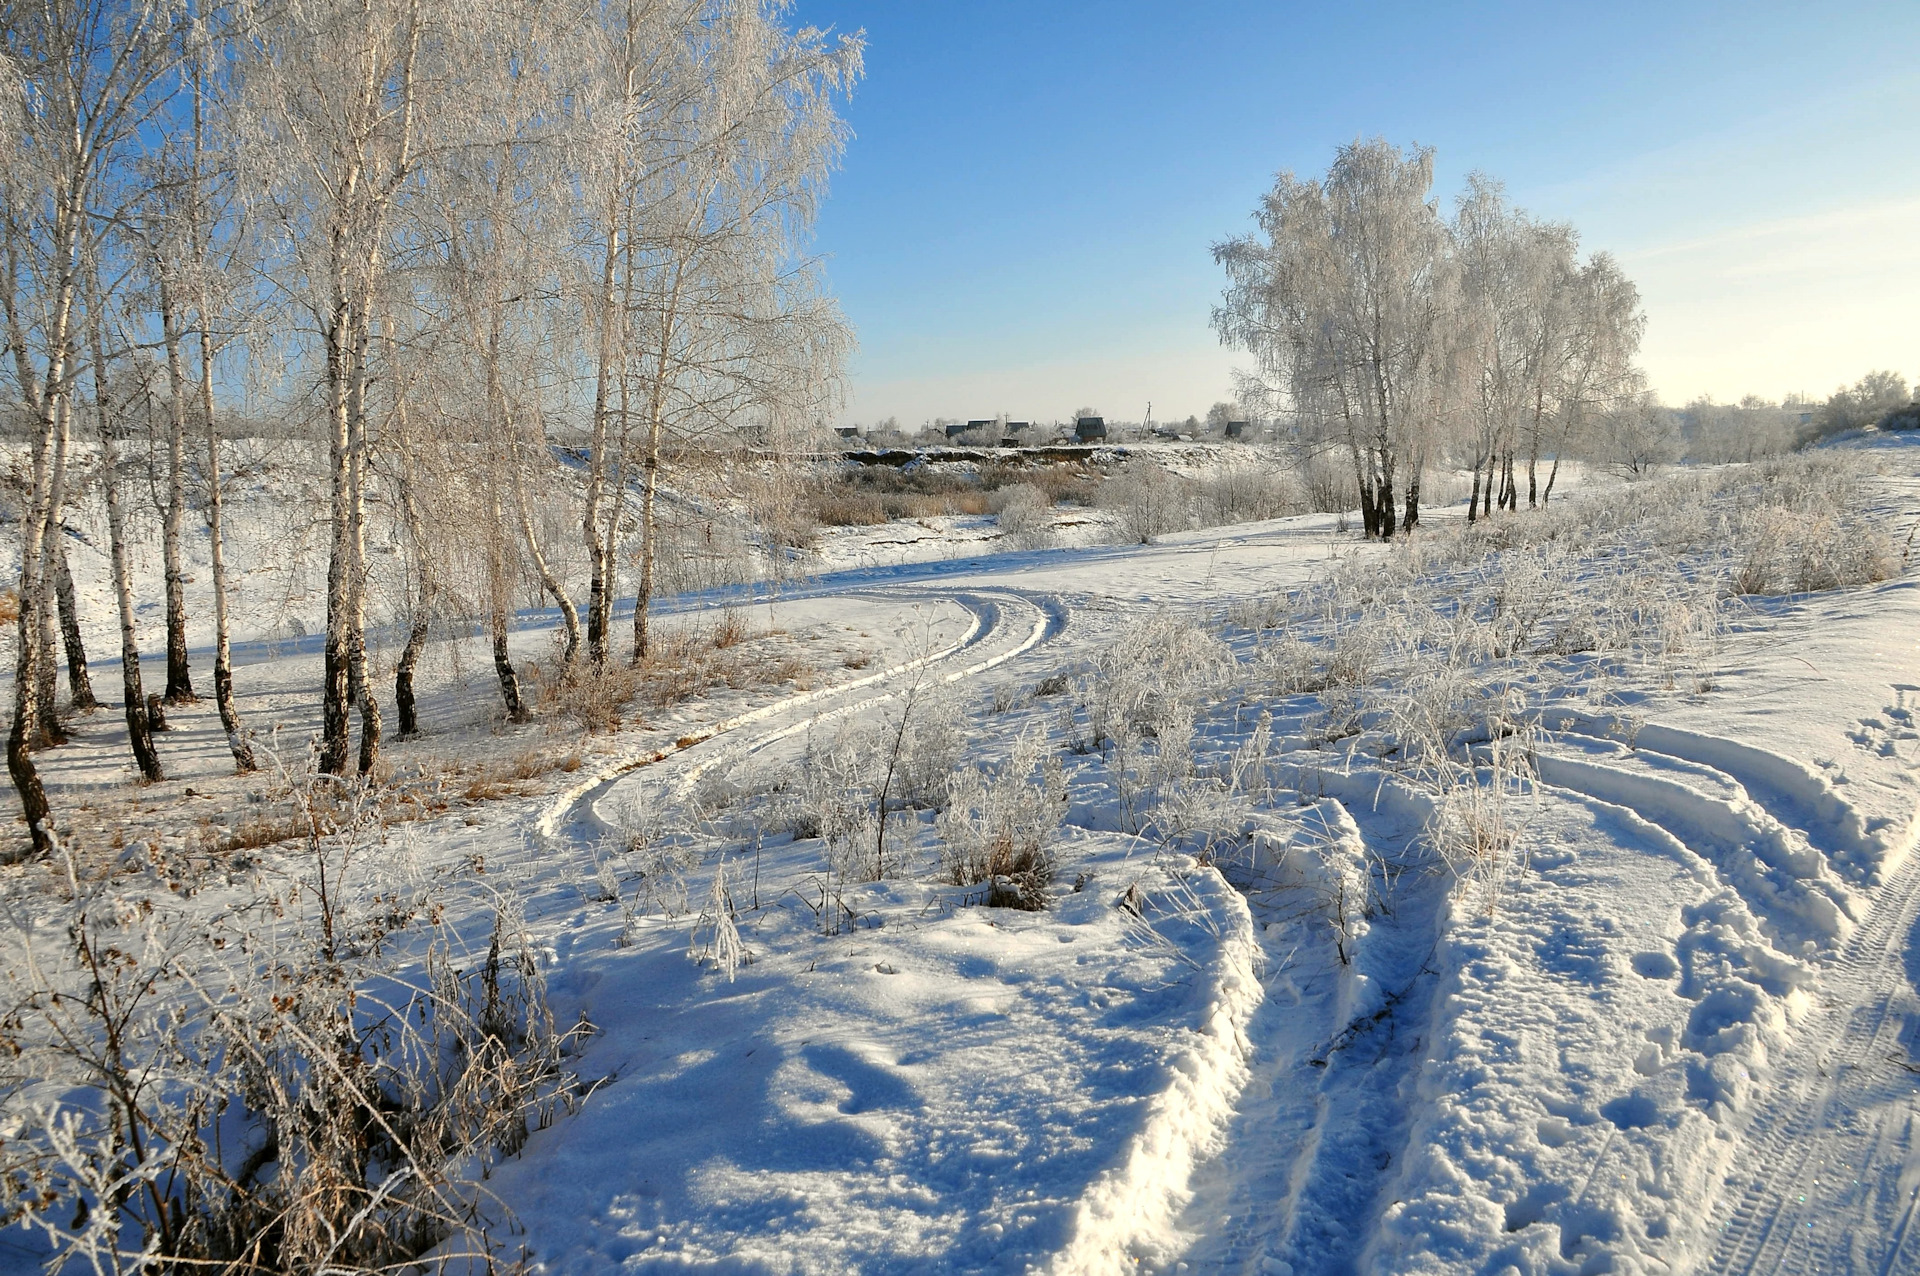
[(575, 805), (1772, 1226), (1808, 1150), (1780, 875), (1311, 1206)]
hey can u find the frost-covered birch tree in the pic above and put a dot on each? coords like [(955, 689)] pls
[(348, 101), (1398, 338), (731, 336), (84, 78), (1547, 343), (1342, 295)]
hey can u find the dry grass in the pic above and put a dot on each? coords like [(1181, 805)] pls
[(487, 780), (257, 831), (868, 496), (730, 630), (689, 663), (321, 1078), (594, 698)]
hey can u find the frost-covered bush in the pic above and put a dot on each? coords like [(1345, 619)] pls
[(1327, 484), (1798, 551), (312, 1081), (1023, 514), (716, 937), (853, 783), (1140, 700), (591, 697), (924, 738), (835, 802), (1247, 493), (1147, 501), (997, 821)]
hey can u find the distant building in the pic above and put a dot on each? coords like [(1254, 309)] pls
[(1236, 429), (847, 431), (1090, 428)]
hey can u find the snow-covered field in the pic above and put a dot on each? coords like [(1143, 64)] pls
[(1262, 1025)]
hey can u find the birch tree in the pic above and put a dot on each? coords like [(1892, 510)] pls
[(501, 208), (1341, 295), (345, 96), (209, 207), (730, 331), (1549, 342), (107, 427), (90, 75), (1598, 373)]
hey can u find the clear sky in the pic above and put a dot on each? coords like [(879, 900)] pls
[(1023, 220)]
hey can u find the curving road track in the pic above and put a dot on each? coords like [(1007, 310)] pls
[(1007, 624)]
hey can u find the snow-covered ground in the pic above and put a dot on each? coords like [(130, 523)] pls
[(1268, 1033)]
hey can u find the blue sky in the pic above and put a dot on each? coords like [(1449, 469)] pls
[(1022, 221)]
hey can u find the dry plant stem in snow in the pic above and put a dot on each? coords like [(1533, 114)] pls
[(312, 1081), (997, 822), (1480, 819), (719, 924)]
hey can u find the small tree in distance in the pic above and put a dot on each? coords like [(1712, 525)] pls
[(1639, 438)]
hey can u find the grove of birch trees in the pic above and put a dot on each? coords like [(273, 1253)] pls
[(1402, 339), (453, 247)]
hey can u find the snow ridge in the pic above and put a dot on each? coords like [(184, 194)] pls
[(1129, 1212)]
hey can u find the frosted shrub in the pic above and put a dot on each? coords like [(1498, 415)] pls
[(1024, 515), (313, 1082), (1145, 687), (1798, 551), (836, 803), (1257, 612), (1327, 484), (1197, 813), (1351, 656), (1289, 665), (1248, 771), (1246, 493), (1528, 585), (591, 697), (854, 783), (1148, 500), (1479, 819), (927, 734), (1430, 712), (996, 824)]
